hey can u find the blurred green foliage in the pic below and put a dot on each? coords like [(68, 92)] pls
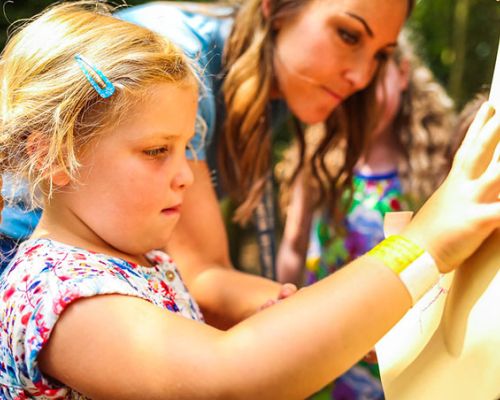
[(459, 41)]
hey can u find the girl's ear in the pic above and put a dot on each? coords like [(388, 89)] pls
[(37, 146), (60, 177)]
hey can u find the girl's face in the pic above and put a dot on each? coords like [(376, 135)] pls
[(133, 177), (388, 94), (331, 50)]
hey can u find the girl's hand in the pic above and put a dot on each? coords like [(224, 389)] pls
[(465, 209)]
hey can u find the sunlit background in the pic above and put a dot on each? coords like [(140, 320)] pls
[(458, 39)]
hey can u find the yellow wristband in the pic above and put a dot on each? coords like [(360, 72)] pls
[(397, 252), (415, 267)]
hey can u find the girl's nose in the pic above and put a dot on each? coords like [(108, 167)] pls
[(184, 177)]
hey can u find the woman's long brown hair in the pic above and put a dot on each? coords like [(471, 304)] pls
[(244, 150)]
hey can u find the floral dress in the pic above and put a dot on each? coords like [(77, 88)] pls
[(43, 279), (328, 251)]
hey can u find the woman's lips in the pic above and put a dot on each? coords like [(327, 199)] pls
[(333, 94), (174, 210)]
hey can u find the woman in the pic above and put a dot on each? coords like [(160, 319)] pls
[(313, 60), (312, 57)]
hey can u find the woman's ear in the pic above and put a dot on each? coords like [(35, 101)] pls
[(404, 71), (266, 8), (37, 147)]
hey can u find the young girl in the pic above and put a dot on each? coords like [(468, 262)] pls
[(405, 159), (96, 113)]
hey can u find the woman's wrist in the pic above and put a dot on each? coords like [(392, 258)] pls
[(413, 264)]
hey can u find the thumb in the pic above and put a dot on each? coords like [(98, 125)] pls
[(287, 290)]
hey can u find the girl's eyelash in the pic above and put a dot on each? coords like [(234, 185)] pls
[(159, 151), (348, 37)]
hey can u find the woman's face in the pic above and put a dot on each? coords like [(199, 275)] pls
[(331, 49)]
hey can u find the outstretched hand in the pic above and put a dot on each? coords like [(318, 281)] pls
[(465, 209)]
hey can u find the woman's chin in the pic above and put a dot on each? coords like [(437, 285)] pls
[(315, 116)]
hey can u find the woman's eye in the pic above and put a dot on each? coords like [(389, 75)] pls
[(159, 151), (348, 37), (382, 56)]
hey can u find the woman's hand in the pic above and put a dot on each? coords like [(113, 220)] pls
[(464, 211), (286, 290)]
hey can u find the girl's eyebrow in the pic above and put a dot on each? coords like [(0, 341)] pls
[(362, 20), (176, 136)]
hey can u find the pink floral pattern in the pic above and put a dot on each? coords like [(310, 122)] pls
[(43, 279)]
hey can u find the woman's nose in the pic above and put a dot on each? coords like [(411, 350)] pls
[(360, 74)]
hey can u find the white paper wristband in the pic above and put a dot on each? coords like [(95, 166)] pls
[(420, 276)]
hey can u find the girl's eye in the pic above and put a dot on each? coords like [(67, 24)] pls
[(157, 152), (348, 37)]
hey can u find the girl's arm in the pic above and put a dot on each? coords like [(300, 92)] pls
[(295, 240), (117, 347), (199, 245), (111, 347)]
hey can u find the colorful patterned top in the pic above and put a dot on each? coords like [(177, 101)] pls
[(328, 251), (43, 279)]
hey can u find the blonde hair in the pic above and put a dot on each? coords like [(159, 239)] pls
[(48, 109), (244, 151), (423, 129)]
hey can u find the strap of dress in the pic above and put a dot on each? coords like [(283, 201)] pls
[(265, 223)]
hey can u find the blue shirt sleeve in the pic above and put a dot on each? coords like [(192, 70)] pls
[(18, 218), (201, 37)]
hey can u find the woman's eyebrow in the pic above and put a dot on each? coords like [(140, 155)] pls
[(361, 19)]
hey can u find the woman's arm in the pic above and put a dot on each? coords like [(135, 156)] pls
[(199, 246), (295, 241)]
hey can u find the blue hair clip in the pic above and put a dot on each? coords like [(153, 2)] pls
[(105, 89)]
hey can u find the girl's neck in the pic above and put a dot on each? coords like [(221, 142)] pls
[(381, 156), (61, 225)]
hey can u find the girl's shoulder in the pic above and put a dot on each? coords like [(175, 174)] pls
[(44, 278), (46, 262), (39, 258), (48, 275), (57, 274)]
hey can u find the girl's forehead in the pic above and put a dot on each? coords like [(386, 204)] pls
[(160, 108)]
